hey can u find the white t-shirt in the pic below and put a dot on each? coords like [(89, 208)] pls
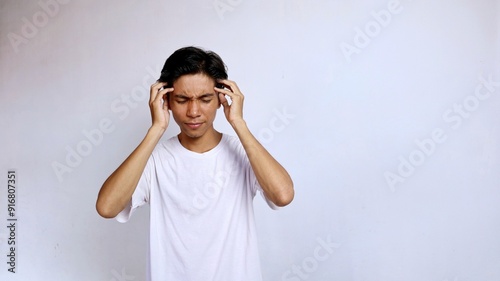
[(202, 224)]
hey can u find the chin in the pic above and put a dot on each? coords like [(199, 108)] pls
[(193, 134)]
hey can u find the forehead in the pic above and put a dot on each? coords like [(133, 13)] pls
[(193, 85)]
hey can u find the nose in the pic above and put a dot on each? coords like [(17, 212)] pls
[(193, 109)]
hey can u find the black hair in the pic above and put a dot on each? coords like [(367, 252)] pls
[(192, 60)]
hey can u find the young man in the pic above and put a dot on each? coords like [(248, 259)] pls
[(201, 183)]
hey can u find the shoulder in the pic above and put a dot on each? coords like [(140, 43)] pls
[(166, 146), (232, 143), (234, 149), (231, 140)]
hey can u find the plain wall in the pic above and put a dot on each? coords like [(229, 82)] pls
[(378, 110)]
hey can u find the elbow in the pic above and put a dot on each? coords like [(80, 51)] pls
[(104, 210), (285, 197)]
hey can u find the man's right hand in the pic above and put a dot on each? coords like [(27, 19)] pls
[(117, 190), (158, 104)]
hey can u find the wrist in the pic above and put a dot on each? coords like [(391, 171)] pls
[(238, 123), (156, 130)]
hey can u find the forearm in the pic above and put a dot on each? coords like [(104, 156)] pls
[(272, 177), (117, 190)]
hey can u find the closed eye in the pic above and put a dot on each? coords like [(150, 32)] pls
[(206, 98)]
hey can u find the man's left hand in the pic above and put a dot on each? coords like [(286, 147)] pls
[(233, 111)]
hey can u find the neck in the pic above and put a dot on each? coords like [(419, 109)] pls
[(200, 144)]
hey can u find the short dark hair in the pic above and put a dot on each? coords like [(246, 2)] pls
[(192, 60)]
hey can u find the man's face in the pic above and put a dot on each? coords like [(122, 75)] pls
[(194, 104)]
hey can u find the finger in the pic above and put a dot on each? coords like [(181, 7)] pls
[(231, 84), (232, 91), (225, 103), (166, 106), (223, 99), (155, 89), (160, 100), (162, 94), (227, 97), (157, 85), (226, 91)]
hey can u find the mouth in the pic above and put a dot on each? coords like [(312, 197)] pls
[(193, 126)]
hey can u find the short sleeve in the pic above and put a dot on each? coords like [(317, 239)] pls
[(258, 188), (250, 177), (140, 195)]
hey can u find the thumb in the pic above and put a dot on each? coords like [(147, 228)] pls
[(224, 103), (223, 100)]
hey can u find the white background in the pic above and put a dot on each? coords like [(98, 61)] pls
[(360, 90)]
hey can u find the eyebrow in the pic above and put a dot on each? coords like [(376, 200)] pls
[(181, 96)]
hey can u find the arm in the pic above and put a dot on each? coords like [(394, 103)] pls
[(272, 177), (117, 190)]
